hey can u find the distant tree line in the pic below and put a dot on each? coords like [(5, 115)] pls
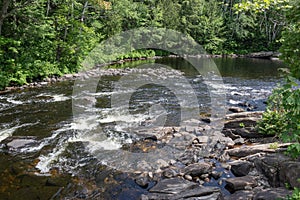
[(42, 38)]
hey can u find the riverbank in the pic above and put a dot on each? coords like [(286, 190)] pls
[(72, 77)]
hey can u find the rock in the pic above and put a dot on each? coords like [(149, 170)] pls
[(239, 141), (249, 150), (279, 170), (240, 183), (216, 175), (202, 139), (242, 124), (228, 133), (178, 188), (18, 143), (240, 195), (272, 193), (169, 173), (247, 132), (241, 168), (173, 186), (253, 115), (188, 177), (197, 169), (262, 54), (142, 181), (290, 173), (236, 109)]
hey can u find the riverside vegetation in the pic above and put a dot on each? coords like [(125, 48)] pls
[(45, 38)]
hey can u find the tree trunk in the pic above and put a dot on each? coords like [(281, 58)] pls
[(3, 13)]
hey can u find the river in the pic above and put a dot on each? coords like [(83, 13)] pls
[(49, 151)]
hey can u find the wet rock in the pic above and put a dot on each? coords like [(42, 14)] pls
[(206, 120), (142, 181), (28, 180), (216, 175), (18, 143), (240, 195), (240, 183), (197, 169), (236, 109), (272, 193), (241, 168), (57, 181)]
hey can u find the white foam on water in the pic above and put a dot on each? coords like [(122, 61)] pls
[(55, 98), (8, 132), (234, 102), (16, 102), (60, 97), (44, 164)]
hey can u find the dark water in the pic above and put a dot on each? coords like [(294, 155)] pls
[(46, 150)]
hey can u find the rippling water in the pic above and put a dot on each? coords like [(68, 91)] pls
[(38, 125)]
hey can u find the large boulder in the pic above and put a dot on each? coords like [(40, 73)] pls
[(241, 168), (279, 170)]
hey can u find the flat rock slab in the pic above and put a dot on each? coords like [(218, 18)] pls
[(177, 188), (257, 114), (197, 169), (18, 143), (173, 186), (253, 149), (241, 183), (272, 193), (241, 195)]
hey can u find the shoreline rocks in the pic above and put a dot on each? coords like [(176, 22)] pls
[(248, 171)]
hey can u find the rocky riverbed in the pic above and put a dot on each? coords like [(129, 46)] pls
[(236, 163)]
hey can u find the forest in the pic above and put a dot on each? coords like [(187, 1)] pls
[(45, 38)]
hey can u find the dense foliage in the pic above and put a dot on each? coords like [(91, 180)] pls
[(40, 38), (283, 114)]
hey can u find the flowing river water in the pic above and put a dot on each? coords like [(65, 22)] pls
[(45, 153)]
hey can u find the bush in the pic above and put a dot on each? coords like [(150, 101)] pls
[(282, 117)]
